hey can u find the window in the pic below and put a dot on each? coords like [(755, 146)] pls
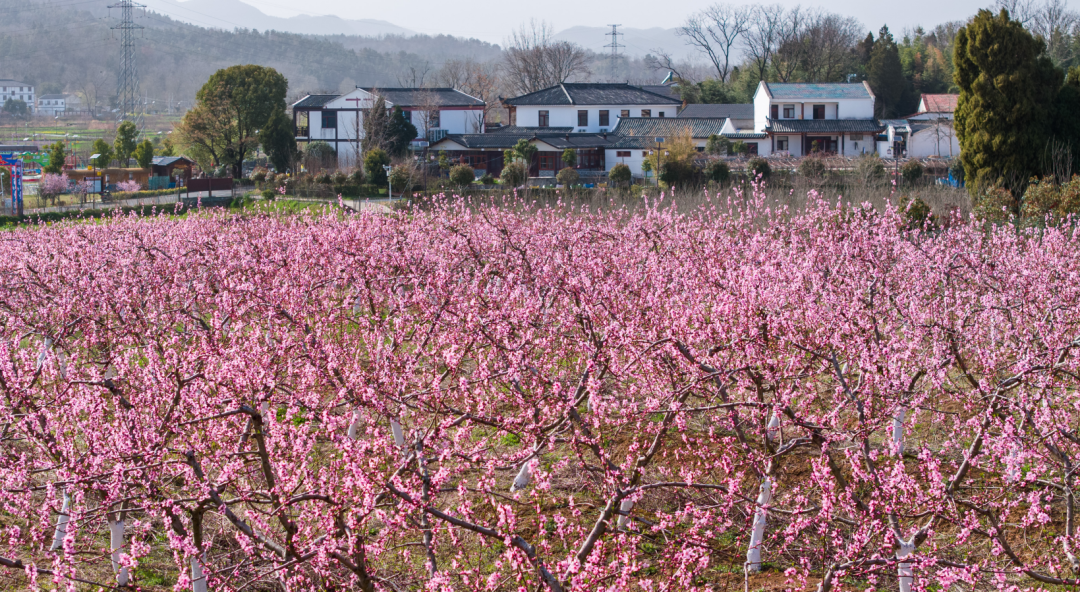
[(819, 111), (329, 119), (856, 137), (789, 111), (646, 112), (624, 113), (408, 116), (752, 149), (547, 161), (774, 112), (543, 119), (781, 143), (433, 119), (583, 118), (660, 114), (604, 121), (622, 154)]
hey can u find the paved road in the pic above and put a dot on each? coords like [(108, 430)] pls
[(358, 205)]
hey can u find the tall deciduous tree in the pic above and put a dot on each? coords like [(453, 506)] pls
[(1006, 85), (886, 75), (231, 108), (56, 158), (104, 152), (278, 140), (144, 154), (534, 60), (126, 141)]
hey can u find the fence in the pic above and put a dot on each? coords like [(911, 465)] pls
[(220, 184)]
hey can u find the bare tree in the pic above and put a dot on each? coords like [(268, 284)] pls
[(716, 31), (1055, 23), (684, 71), (763, 37), (1022, 11), (479, 80), (534, 60), (427, 113), (791, 43), (828, 39), (413, 75)]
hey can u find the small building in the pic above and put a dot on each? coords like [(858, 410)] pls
[(588, 107), (920, 138), (936, 107), (55, 105), (637, 137), (17, 90), (177, 169), (484, 152), (111, 176), (836, 118)]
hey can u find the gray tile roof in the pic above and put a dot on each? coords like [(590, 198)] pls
[(422, 97), (731, 111), (313, 101), (746, 136), (667, 90), (515, 129), (834, 90), (824, 126), (698, 127), (593, 94), (167, 160)]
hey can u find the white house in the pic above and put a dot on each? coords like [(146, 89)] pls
[(936, 107), (921, 138), (831, 117), (588, 107), (54, 105), (636, 137), (16, 90), (338, 120)]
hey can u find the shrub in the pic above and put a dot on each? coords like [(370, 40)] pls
[(758, 168), (813, 167), (462, 175), (956, 169), (1043, 198), (916, 211), (567, 177), (400, 177), (620, 173), (569, 157), (739, 148), (912, 171), (269, 194), (128, 186), (717, 145), (677, 172), (339, 177), (356, 177), (514, 174), (870, 170), (374, 161), (487, 179), (718, 171), (258, 175), (323, 178), (994, 205)]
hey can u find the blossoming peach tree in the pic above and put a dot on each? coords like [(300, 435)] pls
[(475, 398)]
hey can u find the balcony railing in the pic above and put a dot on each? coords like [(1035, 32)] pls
[(301, 131)]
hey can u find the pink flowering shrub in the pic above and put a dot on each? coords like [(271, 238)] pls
[(128, 186), (51, 186), (484, 399)]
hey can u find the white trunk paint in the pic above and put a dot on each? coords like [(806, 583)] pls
[(356, 306), (753, 553), (774, 427), (625, 507), (399, 434), (198, 580), (61, 364), (110, 371), (116, 544), (264, 409), (903, 569), (354, 427), (522, 479), (45, 349), (898, 430), (61, 524)]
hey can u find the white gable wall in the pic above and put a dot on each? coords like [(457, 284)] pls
[(567, 115)]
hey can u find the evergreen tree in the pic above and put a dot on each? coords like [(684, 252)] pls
[(278, 141), (1066, 128), (401, 133), (376, 127), (1006, 85), (124, 145), (886, 75)]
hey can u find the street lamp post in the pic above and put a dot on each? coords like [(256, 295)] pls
[(659, 142), (389, 183)]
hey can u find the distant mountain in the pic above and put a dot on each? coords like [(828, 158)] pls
[(638, 42), (233, 14)]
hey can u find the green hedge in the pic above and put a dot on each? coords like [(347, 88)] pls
[(119, 195), (146, 210)]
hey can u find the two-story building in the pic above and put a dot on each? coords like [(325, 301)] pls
[(588, 107), (54, 105), (15, 90), (338, 120), (802, 118)]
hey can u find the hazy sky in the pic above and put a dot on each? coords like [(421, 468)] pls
[(493, 21)]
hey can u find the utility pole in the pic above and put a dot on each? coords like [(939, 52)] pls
[(127, 81), (614, 45)]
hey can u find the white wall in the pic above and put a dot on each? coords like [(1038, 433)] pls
[(940, 140), (567, 115), (633, 161), (454, 121)]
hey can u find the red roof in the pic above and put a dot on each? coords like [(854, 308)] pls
[(938, 103)]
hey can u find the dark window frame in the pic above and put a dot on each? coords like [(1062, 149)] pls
[(775, 112), (329, 117), (646, 113), (624, 113), (543, 119), (583, 118), (819, 109), (605, 118)]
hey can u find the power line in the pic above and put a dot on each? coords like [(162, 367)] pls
[(127, 82), (614, 45)]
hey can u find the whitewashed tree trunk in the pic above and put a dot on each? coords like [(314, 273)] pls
[(523, 477), (61, 523), (45, 349), (399, 434), (903, 569), (61, 364), (198, 578), (116, 545), (625, 508), (757, 535), (773, 430), (898, 430), (354, 427)]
